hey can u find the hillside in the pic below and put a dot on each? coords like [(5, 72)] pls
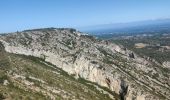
[(64, 63), (30, 78)]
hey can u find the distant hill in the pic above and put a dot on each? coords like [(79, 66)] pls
[(150, 26)]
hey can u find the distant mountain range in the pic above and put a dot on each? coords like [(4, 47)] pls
[(149, 26)]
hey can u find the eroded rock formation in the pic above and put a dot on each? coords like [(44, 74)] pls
[(104, 63)]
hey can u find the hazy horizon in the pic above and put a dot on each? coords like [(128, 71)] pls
[(19, 15)]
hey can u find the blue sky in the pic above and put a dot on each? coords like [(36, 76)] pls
[(27, 14)]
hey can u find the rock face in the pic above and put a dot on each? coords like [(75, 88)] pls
[(166, 64), (105, 63)]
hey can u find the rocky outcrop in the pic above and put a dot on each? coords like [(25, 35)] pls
[(166, 64), (106, 64)]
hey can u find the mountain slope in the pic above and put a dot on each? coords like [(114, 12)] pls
[(29, 78), (122, 71)]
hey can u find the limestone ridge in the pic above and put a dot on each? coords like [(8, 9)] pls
[(99, 61)]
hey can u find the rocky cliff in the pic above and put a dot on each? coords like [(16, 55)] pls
[(102, 62)]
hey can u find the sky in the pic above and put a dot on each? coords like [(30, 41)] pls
[(17, 15)]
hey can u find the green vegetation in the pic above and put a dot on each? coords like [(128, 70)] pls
[(152, 51), (92, 84), (41, 71)]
